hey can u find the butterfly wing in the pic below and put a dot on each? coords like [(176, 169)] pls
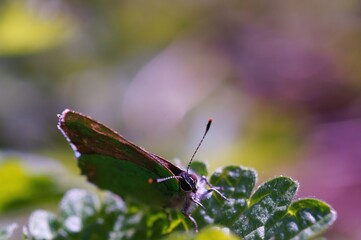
[(113, 163)]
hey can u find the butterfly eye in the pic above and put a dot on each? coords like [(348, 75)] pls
[(188, 182), (194, 178)]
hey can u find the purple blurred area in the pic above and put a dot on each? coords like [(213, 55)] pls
[(330, 169), (288, 72), (281, 80)]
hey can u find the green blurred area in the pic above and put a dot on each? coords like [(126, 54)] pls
[(280, 79), (24, 188), (28, 180)]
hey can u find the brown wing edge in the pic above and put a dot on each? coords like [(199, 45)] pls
[(64, 129)]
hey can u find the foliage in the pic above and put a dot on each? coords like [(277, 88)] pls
[(268, 213), (28, 186)]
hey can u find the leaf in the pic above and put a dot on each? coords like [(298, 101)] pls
[(271, 199), (82, 215), (266, 214), (80, 204), (304, 219), (237, 184), (42, 225), (200, 168), (7, 231)]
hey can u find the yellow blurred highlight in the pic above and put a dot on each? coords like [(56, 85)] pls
[(269, 139), (216, 233), (22, 32), (14, 182)]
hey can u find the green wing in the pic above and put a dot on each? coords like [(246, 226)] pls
[(113, 163)]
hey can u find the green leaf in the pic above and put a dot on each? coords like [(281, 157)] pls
[(42, 225), (82, 215), (7, 231), (268, 213), (269, 201), (304, 219), (200, 168), (237, 184), (80, 204)]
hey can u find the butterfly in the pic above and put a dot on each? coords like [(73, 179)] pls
[(113, 163)]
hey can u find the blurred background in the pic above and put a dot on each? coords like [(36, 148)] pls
[(281, 79)]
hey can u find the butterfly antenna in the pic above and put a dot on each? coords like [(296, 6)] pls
[(205, 133), (158, 180)]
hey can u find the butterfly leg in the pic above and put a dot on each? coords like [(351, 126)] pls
[(212, 189), (188, 215), (196, 201), (185, 211)]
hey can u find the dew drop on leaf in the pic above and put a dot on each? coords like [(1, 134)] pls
[(307, 216), (292, 227), (208, 219), (73, 224)]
